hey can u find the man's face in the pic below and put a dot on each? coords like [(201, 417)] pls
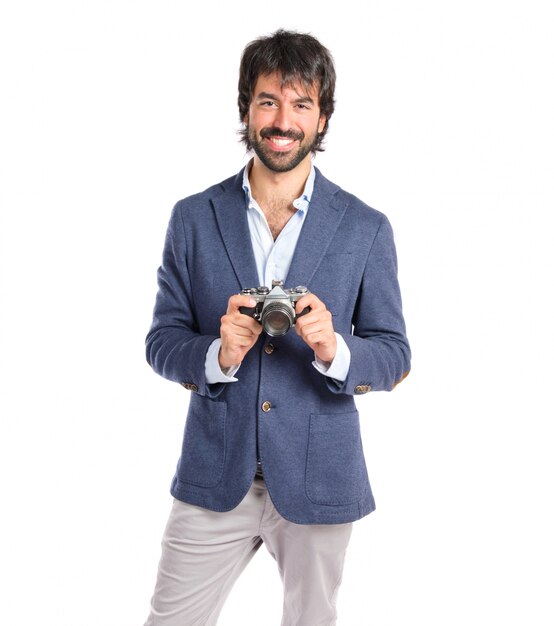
[(283, 123)]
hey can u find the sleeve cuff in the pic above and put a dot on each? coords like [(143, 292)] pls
[(214, 373), (338, 368)]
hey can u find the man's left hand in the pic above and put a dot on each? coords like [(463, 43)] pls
[(316, 327)]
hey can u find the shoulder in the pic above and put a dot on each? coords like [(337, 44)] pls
[(199, 200), (357, 210)]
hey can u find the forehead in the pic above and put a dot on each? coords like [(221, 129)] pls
[(291, 87)]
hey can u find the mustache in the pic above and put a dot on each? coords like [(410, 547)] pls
[(274, 131)]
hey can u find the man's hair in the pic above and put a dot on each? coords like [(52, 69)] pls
[(300, 59)]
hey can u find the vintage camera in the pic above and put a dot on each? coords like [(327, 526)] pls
[(275, 307)]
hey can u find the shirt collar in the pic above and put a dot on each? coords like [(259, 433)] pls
[(301, 203)]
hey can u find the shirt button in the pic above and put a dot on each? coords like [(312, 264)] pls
[(266, 406), (269, 348)]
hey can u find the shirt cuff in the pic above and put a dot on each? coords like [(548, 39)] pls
[(214, 373), (338, 368)]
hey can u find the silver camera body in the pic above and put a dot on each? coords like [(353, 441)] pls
[(275, 307)]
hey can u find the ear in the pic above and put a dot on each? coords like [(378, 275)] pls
[(321, 125), (245, 120)]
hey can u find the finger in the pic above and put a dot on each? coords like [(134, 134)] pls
[(239, 300), (309, 300), (321, 317), (242, 320), (314, 334), (236, 326), (232, 331), (238, 341)]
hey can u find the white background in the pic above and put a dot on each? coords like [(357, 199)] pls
[(110, 111)]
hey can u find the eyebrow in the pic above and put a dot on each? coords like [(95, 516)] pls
[(271, 96)]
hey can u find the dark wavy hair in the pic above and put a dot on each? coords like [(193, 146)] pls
[(300, 59)]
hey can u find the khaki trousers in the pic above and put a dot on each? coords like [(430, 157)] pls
[(204, 552)]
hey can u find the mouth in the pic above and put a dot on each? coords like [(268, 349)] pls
[(280, 143), (279, 140)]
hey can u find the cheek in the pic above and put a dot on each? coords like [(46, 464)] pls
[(256, 121)]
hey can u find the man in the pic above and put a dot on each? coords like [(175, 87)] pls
[(272, 450)]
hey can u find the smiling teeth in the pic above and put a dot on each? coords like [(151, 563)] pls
[(281, 142)]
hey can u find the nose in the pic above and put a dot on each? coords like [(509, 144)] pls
[(283, 118)]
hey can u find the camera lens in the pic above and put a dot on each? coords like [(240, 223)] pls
[(277, 319)]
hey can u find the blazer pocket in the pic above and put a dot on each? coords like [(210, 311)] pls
[(335, 467), (203, 450)]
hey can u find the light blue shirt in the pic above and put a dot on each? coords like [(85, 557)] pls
[(273, 259)]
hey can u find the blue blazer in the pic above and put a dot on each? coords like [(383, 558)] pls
[(309, 440)]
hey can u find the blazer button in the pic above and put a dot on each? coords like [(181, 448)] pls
[(269, 348), (190, 386), (266, 406), (362, 388)]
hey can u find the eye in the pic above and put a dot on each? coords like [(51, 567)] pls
[(267, 103)]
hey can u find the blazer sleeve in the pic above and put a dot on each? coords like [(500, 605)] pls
[(380, 352), (175, 349)]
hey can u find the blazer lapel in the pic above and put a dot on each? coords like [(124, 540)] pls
[(322, 220), (230, 210)]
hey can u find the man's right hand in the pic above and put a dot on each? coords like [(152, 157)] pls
[(239, 332)]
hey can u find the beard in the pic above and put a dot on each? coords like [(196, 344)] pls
[(281, 161)]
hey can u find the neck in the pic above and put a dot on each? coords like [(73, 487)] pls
[(266, 184)]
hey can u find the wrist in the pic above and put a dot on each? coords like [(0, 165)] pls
[(225, 363), (326, 354)]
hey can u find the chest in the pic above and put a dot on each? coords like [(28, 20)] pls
[(277, 213)]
